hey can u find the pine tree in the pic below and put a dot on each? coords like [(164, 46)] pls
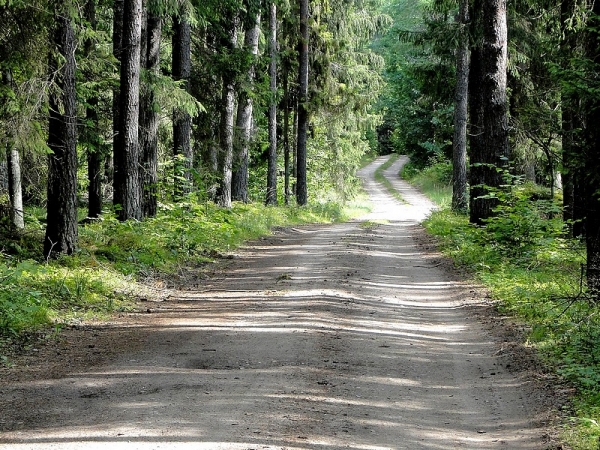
[(301, 188), (272, 160), (149, 119), (127, 151), (61, 227), (182, 120), (489, 124), (243, 126), (460, 200), (225, 156)]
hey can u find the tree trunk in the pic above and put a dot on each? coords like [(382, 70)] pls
[(459, 158), (13, 172), (15, 188), (149, 120), (127, 154), (95, 166), (225, 157), (61, 227), (475, 92), (572, 170), (182, 121), (117, 42), (286, 136), (272, 161), (243, 127), (301, 188), (94, 145), (591, 159), (490, 152)]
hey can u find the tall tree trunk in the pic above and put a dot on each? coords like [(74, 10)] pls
[(475, 94), (572, 170), (243, 126), (117, 42), (127, 154), (94, 161), (149, 120), (13, 169), (15, 188), (272, 161), (491, 150), (61, 227), (94, 145), (591, 159), (225, 157), (459, 157), (301, 188), (286, 135), (294, 110), (182, 121)]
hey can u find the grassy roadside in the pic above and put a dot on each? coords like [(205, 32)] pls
[(117, 261), (534, 274)]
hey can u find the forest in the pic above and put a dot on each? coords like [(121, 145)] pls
[(142, 138)]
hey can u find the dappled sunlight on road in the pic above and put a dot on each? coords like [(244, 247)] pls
[(346, 337)]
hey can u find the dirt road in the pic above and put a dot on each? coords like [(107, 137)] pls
[(348, 336)]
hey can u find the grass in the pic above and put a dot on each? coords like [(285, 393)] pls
[(435, 181), (534, 274), (115, 259)]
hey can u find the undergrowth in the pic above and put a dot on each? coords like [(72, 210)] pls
[(534, 272), (435, 181), (115, 258)]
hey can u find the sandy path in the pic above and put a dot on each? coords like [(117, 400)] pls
[(319, 337)]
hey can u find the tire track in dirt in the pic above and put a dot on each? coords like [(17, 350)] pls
[(318, 337)]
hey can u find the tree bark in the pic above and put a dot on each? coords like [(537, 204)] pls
[(460, 201), (182, 121), (572, 170), (225, 157), (15, 188), (127, 154), (95, 166), (478, 172), (13, 172), (272, 161), (95, 157), (243, 127), (149, 120), (286, 136), (591, 158), (117, 41), (489, 144), (301, 152), (61, 227)]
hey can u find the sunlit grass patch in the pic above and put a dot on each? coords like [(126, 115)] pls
[(434, 181)]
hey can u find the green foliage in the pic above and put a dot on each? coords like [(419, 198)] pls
[(417, 104), (434, 180), (523, 222), (20, 307)]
